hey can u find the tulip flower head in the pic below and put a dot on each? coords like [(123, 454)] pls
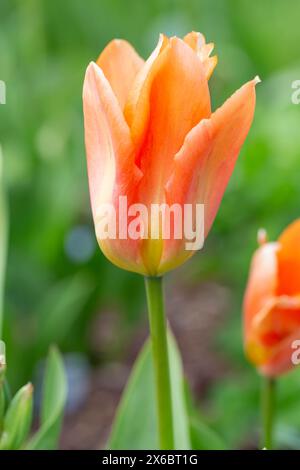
[(152, 140), (272, 303)]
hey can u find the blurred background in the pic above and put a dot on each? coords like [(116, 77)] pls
[(59, 286)]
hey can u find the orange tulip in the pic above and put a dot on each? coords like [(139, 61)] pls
[(151, 136), (272, 303)]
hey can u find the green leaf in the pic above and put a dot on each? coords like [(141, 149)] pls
[(2, 404), (203, 437), (54, 399), (18, 419), (135, 422), (61, 307), (180, 415)]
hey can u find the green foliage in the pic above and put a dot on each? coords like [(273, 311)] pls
[(2, 405), (17, 419), (3, 238), (135, 424), (41, 133), (16, 413), (54, 399), (203, 437), (60, 308)]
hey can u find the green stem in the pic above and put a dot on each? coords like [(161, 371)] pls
[(268, 409), (158, 331)]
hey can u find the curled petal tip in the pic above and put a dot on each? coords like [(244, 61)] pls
[(256, 80), (92, 66), (91, 70), (117, 41), (262, 236), (161, 37)]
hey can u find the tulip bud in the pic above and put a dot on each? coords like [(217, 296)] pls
[(152, 139), (18, 419), (272, 303)]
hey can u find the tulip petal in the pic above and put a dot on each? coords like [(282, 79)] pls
[(289, 260), (270, 339), (178, 100), (110, 159), (197, 42), (107, 136), (188, 168), (230, 125), (281, 359), (212, 147), (137, 107), (262, 284), (270, 321), (120, 64), (190, 164), (279, 321), (201, 169)]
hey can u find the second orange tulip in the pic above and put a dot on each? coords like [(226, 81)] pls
[(272, 304)]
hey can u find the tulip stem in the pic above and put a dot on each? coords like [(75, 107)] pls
[(158, 332), (268, 407)]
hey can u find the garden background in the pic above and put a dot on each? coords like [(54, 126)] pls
[(59, 286)]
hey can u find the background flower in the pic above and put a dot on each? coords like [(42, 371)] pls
[(272, 303)]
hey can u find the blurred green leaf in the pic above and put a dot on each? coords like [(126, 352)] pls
[(2, 404), (60, 308), (181, 428), (7, 392), (18, 419), (236, 400), (54, 399), (203, 437), (135, 422), (3, 239)]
